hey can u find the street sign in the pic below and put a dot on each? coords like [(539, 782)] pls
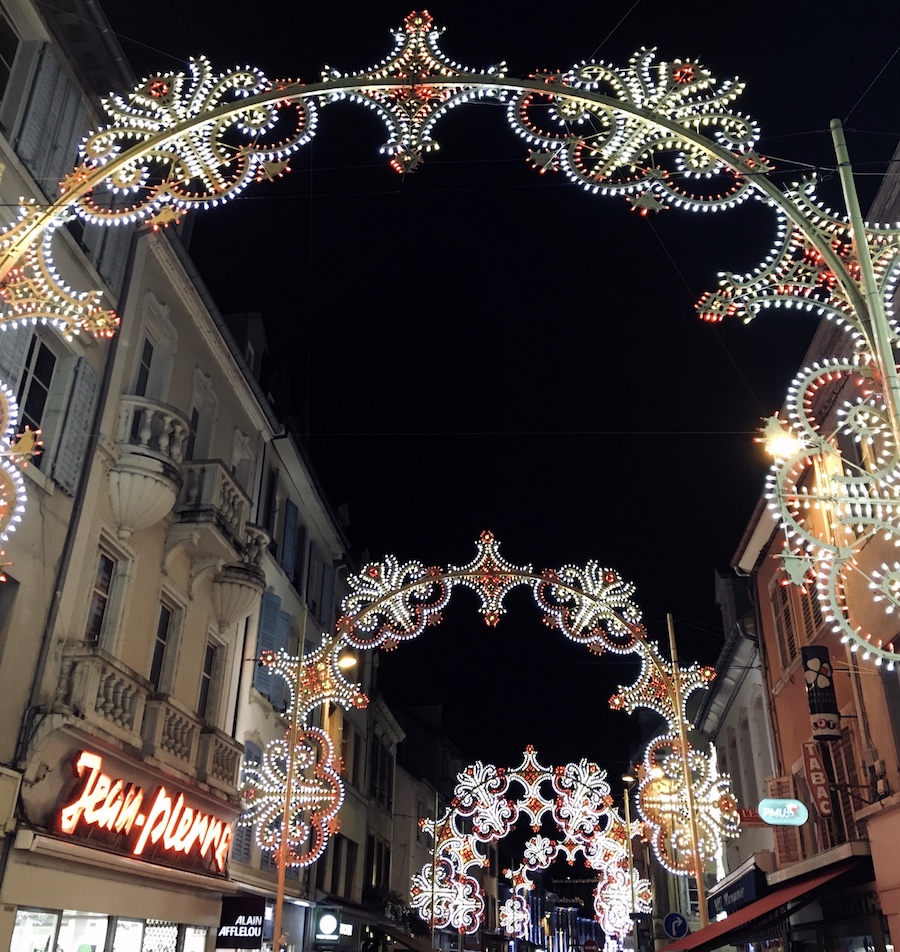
[(675, 925), (589, 945)]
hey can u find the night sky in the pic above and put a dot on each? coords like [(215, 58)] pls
[(477, 346)]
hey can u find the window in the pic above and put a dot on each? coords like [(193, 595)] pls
[(56, 393), (798, 618), (34, 390), (160, 644), (381, 774), (100, 596), (204, 406), (9, 44), (208, 672), (143, 373), (381, 867), (242, 458), (242, 841), (156, 354), (274, 635), (54, 122)]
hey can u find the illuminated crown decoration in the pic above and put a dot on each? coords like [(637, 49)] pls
[(575, 796)]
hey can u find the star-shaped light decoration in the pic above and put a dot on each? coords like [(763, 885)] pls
[(423, 90), (321, 679), (491, 577)]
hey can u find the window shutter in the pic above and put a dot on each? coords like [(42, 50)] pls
[(300, 557), (787, 838), (53, 126), (289, 543), (266, 640), (278, 691), (311, 578), (76, 428), (242, 839), (327, 608), (113, 252), (14, 343)]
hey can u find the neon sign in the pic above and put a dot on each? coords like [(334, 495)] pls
[(167, 823)]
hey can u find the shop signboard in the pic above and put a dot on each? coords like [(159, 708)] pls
[(162, 825), (783, 812), (241, 922)]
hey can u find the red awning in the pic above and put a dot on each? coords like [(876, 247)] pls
[(716, 933)]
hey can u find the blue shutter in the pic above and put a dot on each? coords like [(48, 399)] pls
[(76, 429), (300, 560), (14, 343), (289, 543), (311, 578), (267, 640), (327, 607), (278, 692), (242, 839)]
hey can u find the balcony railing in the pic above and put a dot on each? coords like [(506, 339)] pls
[(211, 495), (219, 762), (105, 693), (152, 429), (107, 698), (172, 733)]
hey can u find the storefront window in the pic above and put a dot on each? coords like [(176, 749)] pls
[(194, 939), (160, 936), (128, 935), (81, 932), (34, 931)]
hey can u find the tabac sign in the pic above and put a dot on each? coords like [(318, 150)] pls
[(160, 826)]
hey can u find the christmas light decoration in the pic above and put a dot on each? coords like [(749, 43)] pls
[(391, 602), (207, 137), (13, 454), (659, 134), (317, 793), (575, 796), (32, 291), (664, 805)]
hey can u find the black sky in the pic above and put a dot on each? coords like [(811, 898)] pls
[(477, 346)]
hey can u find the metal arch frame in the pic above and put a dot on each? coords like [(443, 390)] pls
[(297, 92)]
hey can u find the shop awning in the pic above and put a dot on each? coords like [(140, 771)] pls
[(720, 933)]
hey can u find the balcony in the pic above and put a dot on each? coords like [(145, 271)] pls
[(147, 476), (108, 696), (219, 763), (105, 698), (213, 503), (171, 734)]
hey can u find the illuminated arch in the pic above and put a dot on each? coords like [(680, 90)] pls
[(661, 134)]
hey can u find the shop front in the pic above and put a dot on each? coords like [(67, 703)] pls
[(114, 855)]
